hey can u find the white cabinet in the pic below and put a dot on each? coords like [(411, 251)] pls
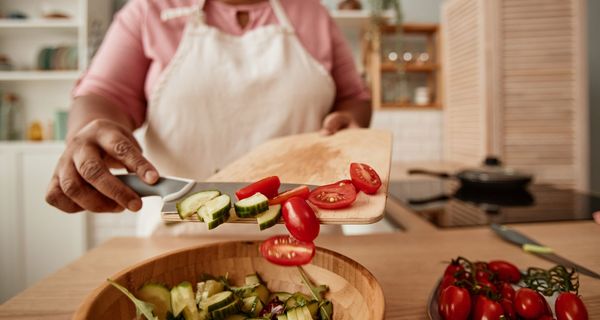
[(36, 238)]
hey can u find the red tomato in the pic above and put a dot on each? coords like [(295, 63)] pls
[(507, 291), (487, 309), (484, 283), (334, 196), (509, 309), (287, 251), (447, 280), (364, 178), (301, 191), (483, 275), (480, 265), (268, 186), (548, 310), (569, 306), (454, 303), (453, 268), (300, 219), (529, 304), (545, 317), (506, 271)]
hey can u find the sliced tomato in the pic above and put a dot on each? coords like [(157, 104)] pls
[(287, 251), (364, 178), (268, 186), (301, 192), (334, 196), (300, 219)]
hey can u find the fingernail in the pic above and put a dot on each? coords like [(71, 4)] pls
[(134, 205), (151, 176)]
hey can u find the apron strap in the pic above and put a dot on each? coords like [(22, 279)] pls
[(174, 13), (281, 15)]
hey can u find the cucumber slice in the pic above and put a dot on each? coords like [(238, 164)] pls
[(159, 296), (199, 291), (188, 206), (183, 300), (217, 207), (282, 317), (281, 296), (252, 279), (245, 291), (211, 287), (250, 207), (252, 306), (269, 218), (218, 300), (305, 313), (313, 307), (292, 314), (225, 311), (204, 215)]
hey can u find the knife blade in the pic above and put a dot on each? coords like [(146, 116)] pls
[(174, 189), (517, 238)]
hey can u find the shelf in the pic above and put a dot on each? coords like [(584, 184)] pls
[(423, 68), (355, 18), (39, 23), (38, 75), (424, 28), (404, 106)]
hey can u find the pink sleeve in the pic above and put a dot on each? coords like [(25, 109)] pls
[(118, 71), (349, 84)]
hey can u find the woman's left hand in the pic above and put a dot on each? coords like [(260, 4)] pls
[(338, 120)]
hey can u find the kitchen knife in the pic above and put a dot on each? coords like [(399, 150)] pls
[(175, 189), (520, 239)]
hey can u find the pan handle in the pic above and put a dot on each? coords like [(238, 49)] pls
[(439, 174)]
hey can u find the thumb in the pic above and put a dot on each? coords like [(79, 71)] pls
[(335, 122)]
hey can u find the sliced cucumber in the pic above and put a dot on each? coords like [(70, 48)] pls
[(217, 301), (245, 291), (225, 311), (252, 279), (281, 296), (262, 293), (251, 206), (269, 218), (313, 307), (159, 296), (188, 206), (211, 287), (292, 314), (183, 300), (252, 306), (282, 317), (199, 291), (305, 313), (204, 215), (218, 207)]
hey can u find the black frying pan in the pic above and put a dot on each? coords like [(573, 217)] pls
[(491, 176)]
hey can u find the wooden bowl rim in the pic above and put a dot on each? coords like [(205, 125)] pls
[(86, 304)]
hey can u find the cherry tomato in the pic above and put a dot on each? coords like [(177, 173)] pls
[(484, 283), (454, 303), (301, 191), (300, 219), (268, 186), (506, 271), (287, 251), (529, 304), (453, 268), (447, 280), (480, 265), (487, 309), (506, 291), (545, 317), (364, 178), (509, 309), (483, 275), (569, 306), (548, 310), (334, 196)]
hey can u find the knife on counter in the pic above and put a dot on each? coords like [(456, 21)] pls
[(517, 238), (175, 189)]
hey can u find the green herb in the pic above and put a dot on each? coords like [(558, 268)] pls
[(325, 306), (141, 307)]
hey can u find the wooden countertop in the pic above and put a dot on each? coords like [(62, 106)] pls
[(406, 264)]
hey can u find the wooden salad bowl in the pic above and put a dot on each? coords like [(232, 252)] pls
[(354, 291)]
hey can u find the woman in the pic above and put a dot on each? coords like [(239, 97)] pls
[(206, 81)]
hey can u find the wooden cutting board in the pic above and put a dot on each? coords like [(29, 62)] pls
[(316, 159)]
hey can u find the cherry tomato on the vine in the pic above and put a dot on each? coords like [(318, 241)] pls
[(455, 303), (569, 306), (506, 271), (529, 304)]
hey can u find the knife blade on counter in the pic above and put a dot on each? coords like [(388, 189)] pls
[(517, 238), (175, 189)]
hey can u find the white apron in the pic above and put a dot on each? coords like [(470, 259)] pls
[(222, 95)]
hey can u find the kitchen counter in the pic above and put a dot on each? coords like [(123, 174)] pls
[(407, 264)]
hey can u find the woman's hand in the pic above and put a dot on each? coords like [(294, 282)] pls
[(338, 120), (82, 180), (346, 115)]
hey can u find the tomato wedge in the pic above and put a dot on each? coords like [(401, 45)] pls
[(300, 219), (334, 196), (364, 178), (287, 251), (301, 192), (268, 186)]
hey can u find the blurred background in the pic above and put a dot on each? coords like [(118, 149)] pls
[(454, 80)]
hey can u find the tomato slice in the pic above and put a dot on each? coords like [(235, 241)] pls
[(300, 219), (334, 196), (287, 251), (301, 191), (268, 186), (364, 178)]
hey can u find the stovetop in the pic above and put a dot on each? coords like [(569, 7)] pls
[(445, 205)]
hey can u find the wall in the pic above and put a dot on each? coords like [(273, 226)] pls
[(594, 90)]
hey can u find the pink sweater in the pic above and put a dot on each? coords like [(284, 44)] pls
[(139, 45)]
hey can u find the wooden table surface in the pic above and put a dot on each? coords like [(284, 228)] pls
[(407, 264)]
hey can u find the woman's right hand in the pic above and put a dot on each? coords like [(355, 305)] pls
[(82, 180)]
